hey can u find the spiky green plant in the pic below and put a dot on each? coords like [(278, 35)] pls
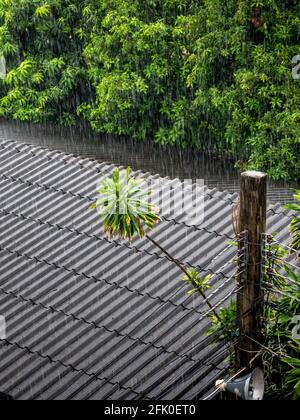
[(124, 207)]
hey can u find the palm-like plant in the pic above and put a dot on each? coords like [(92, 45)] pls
[(124, 206), (126, 211)]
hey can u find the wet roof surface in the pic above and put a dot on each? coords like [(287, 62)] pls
[(93, 318), (216, 169)]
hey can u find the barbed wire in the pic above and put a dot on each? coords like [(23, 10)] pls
[(224, 299), (272, 240), (224, 284), (271, 260), (288, 279), (218, 256), (270, 286), (234, 261), (267, 349), (275, 258)]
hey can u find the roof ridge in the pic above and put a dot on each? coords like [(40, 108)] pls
[(92, 200), (94, 164), (272, 208), (88, 163)]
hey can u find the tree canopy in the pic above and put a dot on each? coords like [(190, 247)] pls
[(212, 74)]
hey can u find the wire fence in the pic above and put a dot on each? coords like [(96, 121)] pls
[(280, 278), (280, 266)]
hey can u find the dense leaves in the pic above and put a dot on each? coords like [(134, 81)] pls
[(209, 73), (43, 49), (283, 314)]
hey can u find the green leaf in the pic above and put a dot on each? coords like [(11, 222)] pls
[(42, 11)]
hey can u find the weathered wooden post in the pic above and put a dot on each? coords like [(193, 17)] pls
[(250, 298)]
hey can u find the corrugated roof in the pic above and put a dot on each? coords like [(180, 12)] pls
[(93, 318)]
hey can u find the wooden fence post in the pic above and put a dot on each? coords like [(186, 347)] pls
[(250, 298)]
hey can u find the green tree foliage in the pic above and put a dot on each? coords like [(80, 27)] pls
[(208, 73), (42, 44)]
